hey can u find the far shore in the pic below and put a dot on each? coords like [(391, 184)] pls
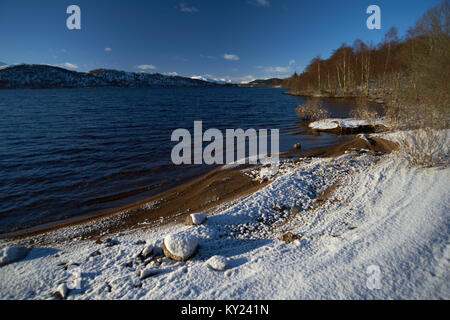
[(371, 98)]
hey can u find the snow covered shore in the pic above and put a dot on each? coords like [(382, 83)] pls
[(383, 233), (347, 125)]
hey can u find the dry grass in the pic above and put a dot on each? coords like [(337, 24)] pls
[(312, 110), (425, 147), (363, 111)]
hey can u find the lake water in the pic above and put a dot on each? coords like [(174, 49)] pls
[(70, 152)]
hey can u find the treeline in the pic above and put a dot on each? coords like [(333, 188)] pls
[(351, 69), (417, 65)]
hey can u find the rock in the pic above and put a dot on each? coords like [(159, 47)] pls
[(218, 263), (147, 252), (12, 254), (295, 210), (280, 209), (61, 291), (140, 242), (144, 274), (95, 253), (195, 219), (297, 146), (290, 237), (68, 265), (180, 247), (111, 243)]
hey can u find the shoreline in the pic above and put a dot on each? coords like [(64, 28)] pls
[(205, 193), (375, 99)]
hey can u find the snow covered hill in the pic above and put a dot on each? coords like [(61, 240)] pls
[(45, 76)]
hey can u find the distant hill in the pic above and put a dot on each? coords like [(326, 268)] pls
[(208, 79), (273, 82), (45, 76), (2, 64)]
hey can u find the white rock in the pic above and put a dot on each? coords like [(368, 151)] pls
[(198, 218), (144, 274), (218, 263), (12, 254), (180, 246), (62, 291), (147, 252)]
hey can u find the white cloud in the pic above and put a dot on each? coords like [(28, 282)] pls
[(146, 67), (279, 69), (292, 62), (261, 3), (171, 74), (70, 65), (231, 57), (179, 58), (108, 49), (207, 57), (183, 7), (275, 69)]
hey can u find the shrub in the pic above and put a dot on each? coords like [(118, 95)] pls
[(425, 147), (363, 111), (312, 110)]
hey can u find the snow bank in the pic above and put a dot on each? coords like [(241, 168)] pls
[(328, 124), (12, 254)]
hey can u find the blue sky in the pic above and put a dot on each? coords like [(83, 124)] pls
[(236, 40)]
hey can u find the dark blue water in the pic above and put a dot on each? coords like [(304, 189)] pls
[(71, 152)]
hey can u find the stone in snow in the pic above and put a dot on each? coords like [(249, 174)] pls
[(218, 263), (290, 237), (180, 246), (144, 274), (95, 253), (195, 219), (295, 210), (147, 252), (12, 254), (61, 292)]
